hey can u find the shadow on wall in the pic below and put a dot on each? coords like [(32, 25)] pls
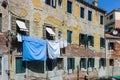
[(35, 66)]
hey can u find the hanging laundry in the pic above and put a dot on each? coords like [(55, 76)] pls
[(61, 43), (33, 49), (65, 43), (53, 49), (19, 37)]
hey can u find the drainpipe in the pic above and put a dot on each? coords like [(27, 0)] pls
[(9, 38)]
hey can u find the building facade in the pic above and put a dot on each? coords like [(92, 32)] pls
[(78, 22), (112, 42)]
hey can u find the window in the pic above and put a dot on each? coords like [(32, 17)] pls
[(83, 63), (15, 28), (102, 62), (20, 65), (83, 39), (0, 22), (111, 16), (59, 2), (102, 42), (101, 19), (51, 64), (89, 15), (69, 6), (91, 62), (0, 65), (71, 63), (82, 12), (111, 62), (51, 3), (48, 32), (90, 41), (111, 46), (69, 36), (36, 66)]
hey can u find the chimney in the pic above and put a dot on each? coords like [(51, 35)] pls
[(95, 2)]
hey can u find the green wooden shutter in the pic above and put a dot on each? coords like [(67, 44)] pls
[(85, 40), (0, 22), (92, 62), (73, 63), (92, 42), (84, 63), (68, 63), (0, 65), (20, 66), (69, 36)]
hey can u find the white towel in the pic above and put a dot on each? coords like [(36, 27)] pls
[(53, 49), (19, 37), (64, 43)]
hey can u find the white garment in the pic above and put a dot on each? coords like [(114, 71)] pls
[(64, 43), (19, 37), (53, 49), (61, 44)]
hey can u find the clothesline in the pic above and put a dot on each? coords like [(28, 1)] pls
[(37, 49)]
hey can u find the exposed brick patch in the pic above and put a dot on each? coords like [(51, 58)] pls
[(74, 50)]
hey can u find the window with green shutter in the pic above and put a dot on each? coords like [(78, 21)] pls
[(71, 63), (90, 41), (91, 62), (111, 62), (90, 15), (83, 39), (20, 65), (81, 12), (51, 3), (0, 22), (0, 65), (102, 42), (51, 64), (69, 6), (69, 36), (102, 62), (111, 46), (83, 63)]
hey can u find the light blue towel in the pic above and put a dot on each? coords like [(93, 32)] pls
[(33, 49)]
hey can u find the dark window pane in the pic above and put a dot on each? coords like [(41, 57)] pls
[(69, 36), (111, 62), (101, 19), (69, 7), (0, 65), (102, 42), (71, 63), (89, 15), (59, 2), (82, 12), (51, 64), (111, 46), (0, 22)]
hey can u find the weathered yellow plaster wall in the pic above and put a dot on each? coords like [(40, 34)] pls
[(97, 42), (76, 10), (37, 17), (37, 4)]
